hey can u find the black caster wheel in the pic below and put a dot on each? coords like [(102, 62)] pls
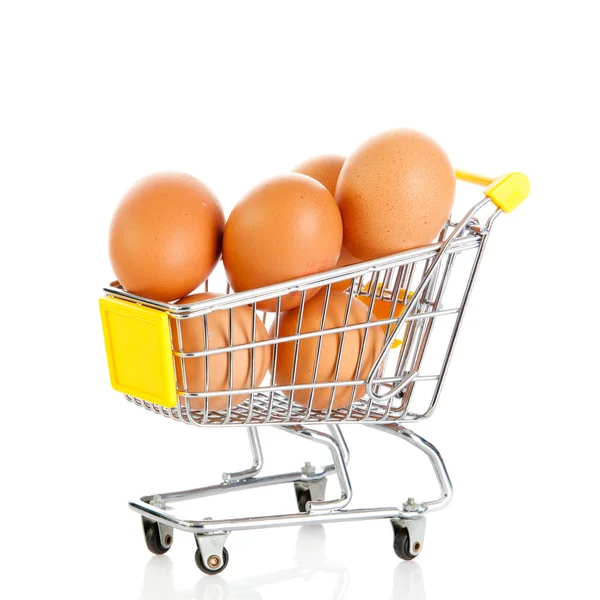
[(402, 544), (309, 492), (302, 498), (219, 565), (153, 540)]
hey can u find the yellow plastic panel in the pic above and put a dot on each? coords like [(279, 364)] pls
[(508, 191), (138, 349)]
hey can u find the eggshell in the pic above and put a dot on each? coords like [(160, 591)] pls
[(192, 334), (165, 236), (395, 192), (330, 347), (345, 259), (325, 169), (287, 227)]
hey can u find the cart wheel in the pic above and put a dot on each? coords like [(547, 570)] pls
[(152, 535), (402, 544), (205, 568), (302, 497), (313, 491)]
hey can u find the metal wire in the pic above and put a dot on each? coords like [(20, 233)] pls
[(383, 286)]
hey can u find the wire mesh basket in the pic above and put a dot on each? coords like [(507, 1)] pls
[(402, 344)]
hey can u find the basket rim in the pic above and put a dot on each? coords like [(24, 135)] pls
[(235, 299)]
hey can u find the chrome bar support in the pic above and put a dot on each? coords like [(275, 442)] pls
[(439, 468), (257, 460), (338, 463)]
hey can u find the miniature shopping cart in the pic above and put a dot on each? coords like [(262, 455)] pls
[(424, 292)]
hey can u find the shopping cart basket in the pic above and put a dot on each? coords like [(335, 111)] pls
[(423, 292)]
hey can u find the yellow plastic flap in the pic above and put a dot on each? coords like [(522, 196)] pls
[(509, 191), (138, 350)]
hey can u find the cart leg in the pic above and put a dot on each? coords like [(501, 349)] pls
[(338, 448), (257, 460), (409, 531), (439, 468), (338, 436), (314, 490)]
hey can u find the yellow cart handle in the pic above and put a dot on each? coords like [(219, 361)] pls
[(506, 192)]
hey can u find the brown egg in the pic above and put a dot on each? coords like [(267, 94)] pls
[(192, 334), (325, 169), (345, 259), (395, 192), (165, 236), (287, 227), (330, 347)]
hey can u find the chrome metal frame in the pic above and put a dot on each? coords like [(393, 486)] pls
[(390, 384), (157, 507)]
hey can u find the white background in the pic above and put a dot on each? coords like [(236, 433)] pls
[(97, 94)]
